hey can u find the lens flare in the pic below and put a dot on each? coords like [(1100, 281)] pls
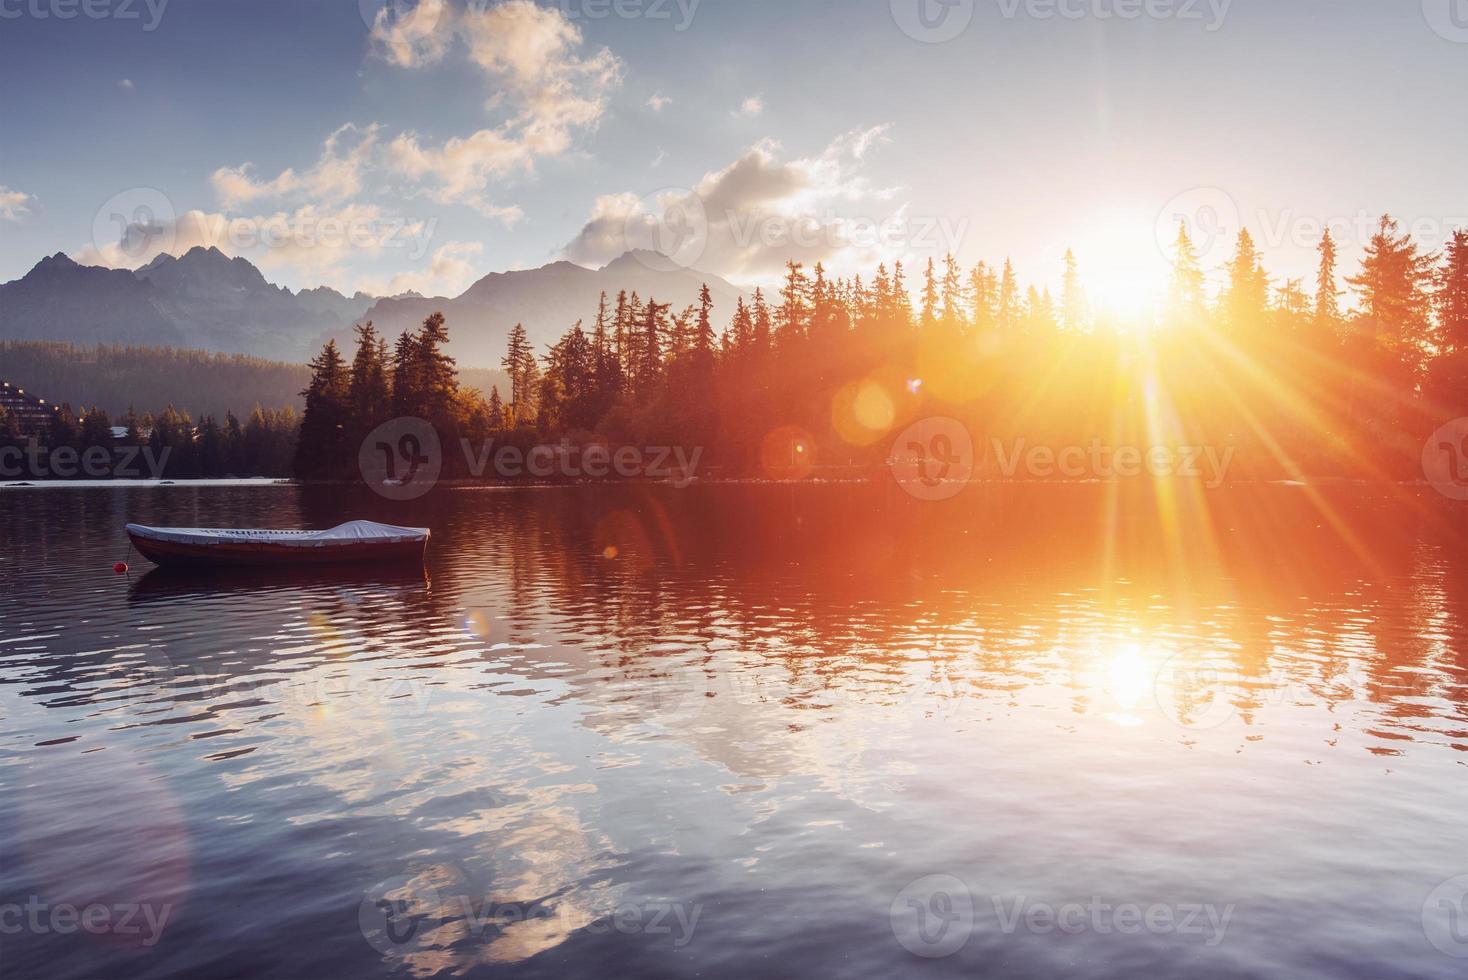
[(788, 454)]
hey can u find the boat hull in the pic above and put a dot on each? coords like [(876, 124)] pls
[(168, 553), (360, 543)]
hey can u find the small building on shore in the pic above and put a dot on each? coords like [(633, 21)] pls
[(33, 414)]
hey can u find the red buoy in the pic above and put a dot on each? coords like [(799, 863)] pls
[(120, 568)]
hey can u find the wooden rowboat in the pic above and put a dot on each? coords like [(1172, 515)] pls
[(359, 541)]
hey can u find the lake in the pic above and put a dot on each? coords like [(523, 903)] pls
[(740, 730)]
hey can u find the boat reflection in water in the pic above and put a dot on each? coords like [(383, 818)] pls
[(777, 722)]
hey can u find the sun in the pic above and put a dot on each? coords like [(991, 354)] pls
[(1125, 296), (1124, 273)]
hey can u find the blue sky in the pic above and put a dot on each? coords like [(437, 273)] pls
[(439, 144)]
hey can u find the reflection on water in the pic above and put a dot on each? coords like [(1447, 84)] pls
[(726, 731)]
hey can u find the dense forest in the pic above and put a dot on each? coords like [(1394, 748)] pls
[(205, 423), (1297, 382), (1345, 377), (115, 377)]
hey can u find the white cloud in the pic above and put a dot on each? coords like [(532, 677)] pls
[(337, 175), (548, 88), (416, 37), (751, 108), (659, 102), (137, 245), (604, 236), (450, 272), (126, 85), (311, 243), (660, 159), (13, 204), (462, 168), (761, 211)]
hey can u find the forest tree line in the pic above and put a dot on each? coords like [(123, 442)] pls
[(1346, 377), (262, 445)]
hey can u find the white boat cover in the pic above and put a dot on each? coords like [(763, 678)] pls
[(357, 532)]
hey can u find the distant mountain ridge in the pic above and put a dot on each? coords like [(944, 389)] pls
[(548, 301), (201, 300), (205, 300)]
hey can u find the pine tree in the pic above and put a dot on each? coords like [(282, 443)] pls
[(1074, 309), (741, 328), (651, 368), (438, 374), (527, 411), (1395, 285), (983, 294), (407, 390), (863, 307), (1009, 311), (211, 448), (599, 340), (883, 308), (1247, 295), (496, 410), (901, 301), (1185, 291), (321, 449), (371, 396), (632, 356), (762, 324), (794, 303), (606, 361), (703, 341), (1452, 294), (621, 327), (929, 314), (516, 363), (234, 438), (1327, 294), (822, 316), (952, 293), (680, 338)]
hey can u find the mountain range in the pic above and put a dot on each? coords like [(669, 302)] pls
[(207, 301)]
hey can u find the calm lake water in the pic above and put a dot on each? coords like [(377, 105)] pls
[(743, 730)]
